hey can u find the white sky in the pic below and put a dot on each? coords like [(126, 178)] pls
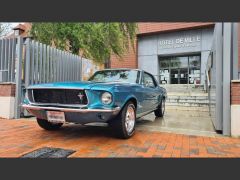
[(12, 25)]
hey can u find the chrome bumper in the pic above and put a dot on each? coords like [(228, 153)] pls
[(33, 107), (74, 115)]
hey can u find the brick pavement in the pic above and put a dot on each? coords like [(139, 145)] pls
[(18, 137)]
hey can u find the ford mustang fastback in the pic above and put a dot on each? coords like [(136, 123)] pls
[(114, 96)]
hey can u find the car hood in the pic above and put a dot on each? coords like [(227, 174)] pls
[(78, 85)]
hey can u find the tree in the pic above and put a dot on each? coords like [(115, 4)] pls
[(96, 41), (4, 29)]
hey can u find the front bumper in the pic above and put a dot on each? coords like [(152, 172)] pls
[(75, 115)]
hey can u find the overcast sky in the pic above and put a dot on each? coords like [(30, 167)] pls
[(15, 24), (12, 25)]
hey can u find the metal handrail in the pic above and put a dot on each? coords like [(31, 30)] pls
[(208, 80)]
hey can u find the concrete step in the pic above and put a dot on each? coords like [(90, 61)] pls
[(187, 108), (189, 86), (187, 104), (202, 101), (188, 97), (184, 88), (187, 94), (191, 100)]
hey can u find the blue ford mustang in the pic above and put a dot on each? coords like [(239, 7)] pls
[(115, 96)]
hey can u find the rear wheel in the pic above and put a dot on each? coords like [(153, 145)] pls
[(124, 124), (159, 112), (48, 125)]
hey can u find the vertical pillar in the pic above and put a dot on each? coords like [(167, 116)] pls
[(27, 64), (18, 78), (235, 51), (217, 53), (227, 58)]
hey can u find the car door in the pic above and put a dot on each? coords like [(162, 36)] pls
[(151, 92)]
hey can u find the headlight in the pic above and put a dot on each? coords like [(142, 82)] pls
[(106, 98)]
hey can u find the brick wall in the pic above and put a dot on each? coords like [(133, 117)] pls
[(7, 90), (129, 60), (146, 28), (235, 92)]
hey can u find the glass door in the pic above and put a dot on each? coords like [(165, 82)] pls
[(174, 75), (164, 71), (179, 76), (194, 70), (183, 76)]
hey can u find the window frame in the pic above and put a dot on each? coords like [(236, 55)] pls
[(152, 77)]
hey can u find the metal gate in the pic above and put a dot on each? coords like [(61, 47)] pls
[(7, 59), (27, 62)]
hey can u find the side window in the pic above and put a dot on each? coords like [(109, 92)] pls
[(148, 81)]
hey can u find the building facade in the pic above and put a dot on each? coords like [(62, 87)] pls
[(204, 54), (175, 53)]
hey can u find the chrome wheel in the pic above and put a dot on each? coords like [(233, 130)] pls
[(130, 119)]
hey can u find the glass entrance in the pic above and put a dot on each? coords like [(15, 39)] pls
[(180, 70), (174, 76), (179, 76), (183, 76)]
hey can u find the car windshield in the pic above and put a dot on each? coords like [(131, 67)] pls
[(129, 76)]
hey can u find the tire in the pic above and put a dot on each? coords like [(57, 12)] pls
[(124, 124), (159, 112), (48, 125)]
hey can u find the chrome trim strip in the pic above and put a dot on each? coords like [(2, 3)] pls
[(55, 88), (57, 105), (145, 113), (69, 109)]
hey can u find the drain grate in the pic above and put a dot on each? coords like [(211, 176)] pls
[(47, 152)]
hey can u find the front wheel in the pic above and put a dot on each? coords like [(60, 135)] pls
[(124, 124), (159, 112), (48, 125)]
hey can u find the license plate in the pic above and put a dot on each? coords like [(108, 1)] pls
[(56, 116)]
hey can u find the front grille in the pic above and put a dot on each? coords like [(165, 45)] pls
[(59, 96)]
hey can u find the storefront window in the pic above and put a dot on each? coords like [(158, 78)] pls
[(164, 76), (180, 70), (179, 62), (175, 63), (164, 64), (194, 76), (194, 70), (194, 61)]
